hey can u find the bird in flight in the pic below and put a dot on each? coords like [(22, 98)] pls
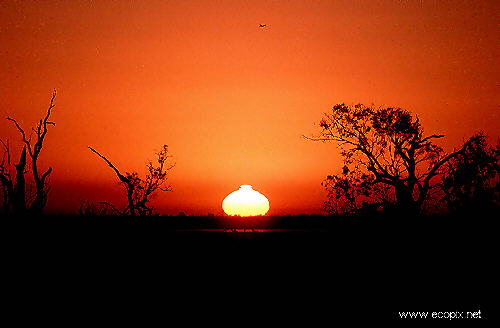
[(262, 25)]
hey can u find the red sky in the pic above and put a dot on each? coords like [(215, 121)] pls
[(232, 100)]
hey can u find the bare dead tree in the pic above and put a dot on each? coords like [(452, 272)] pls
[(6, 179), (140, 191), (15, 195), (13, 189)]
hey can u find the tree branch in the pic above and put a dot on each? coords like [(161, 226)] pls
[(120, 176), (435, 168)]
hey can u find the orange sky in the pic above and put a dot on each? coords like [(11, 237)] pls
[(232, 100)]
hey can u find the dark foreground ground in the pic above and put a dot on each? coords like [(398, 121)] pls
[(304, 270)]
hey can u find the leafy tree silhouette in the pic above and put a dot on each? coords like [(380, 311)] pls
[(385, 153), (140, 191), (354, 191), (472, 179), (16, 199)]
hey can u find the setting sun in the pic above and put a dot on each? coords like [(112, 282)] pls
[(245, 202)]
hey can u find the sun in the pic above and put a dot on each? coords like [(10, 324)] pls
[(245, 202)]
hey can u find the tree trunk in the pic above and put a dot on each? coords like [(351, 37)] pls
[(19, 197), (405, 204), (40, 200), (8, 194), (130, 197), (41, 193)]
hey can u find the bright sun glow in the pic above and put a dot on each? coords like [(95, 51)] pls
[(245, 202)]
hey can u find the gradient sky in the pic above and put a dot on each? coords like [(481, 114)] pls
[(232, 100)]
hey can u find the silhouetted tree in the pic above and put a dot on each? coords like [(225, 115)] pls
[(472, 179), (354, 191), (13, 190), (385, 148), (16, 199), (140, 191), (100, 209)]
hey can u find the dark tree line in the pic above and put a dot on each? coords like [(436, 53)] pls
[(390, 164)]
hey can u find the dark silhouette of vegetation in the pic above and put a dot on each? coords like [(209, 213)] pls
[(88, 208), (388, 161), (354, 191), (17, 199), (140, 191), (471, 182)]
